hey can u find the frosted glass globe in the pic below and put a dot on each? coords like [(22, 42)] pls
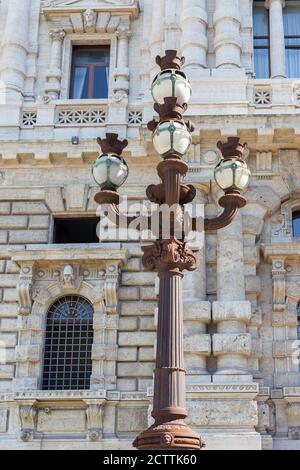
[(171, 83), (171, 137), (110, 171), (232, 174)]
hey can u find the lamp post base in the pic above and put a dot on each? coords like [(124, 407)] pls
[(171, 435)]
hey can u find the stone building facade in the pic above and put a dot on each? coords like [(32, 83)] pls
[(241, 323)]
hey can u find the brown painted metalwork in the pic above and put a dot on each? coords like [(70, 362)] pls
[(170, 257)]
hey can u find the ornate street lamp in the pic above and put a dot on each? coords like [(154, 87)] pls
[(170, 257)]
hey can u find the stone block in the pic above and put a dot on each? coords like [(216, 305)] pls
[(148, 293), (28, 353), (5, 208), (126, 385), (2, 266), (102, 351), (28, 207), (8, 339), (138, 279), (146, 354), (10, 295), (11, 222), (284, 348), (129, 293), (226, 413), (8, 324), (232, 344), (132, 265), (29, 236), (39, 222), (132, 419), (62, 420), (128, 324), (252, 284), (231, 311), (7, 371), (3, 237), (137, 339), (144, 384), (8, 310), (135, 369), (3, 420), (8, 280), (197, 343), (138, 309), (12, 267), (127, 354), (147, 324), (197, 310)]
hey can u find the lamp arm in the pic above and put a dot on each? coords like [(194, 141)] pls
[(232, 203)]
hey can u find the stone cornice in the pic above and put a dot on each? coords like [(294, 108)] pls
[(283, 251), (131, 7), (63, 254)]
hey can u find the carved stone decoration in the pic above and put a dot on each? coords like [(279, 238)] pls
[(24, 290), (279, 285), (27, 414), (90, 19), (94, 413), (169, 254), (70, 278), (111, 288)]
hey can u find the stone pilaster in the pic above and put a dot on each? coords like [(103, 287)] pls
[(197, 311), (227, 24), (54, 74), (14, 51), (277, 46), (156, 36), (194, 42), (121, 74), (231, 313)]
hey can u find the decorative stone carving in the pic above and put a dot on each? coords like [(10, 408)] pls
[(27, 414), (24, 290), (90, 19), (264, 161), (279, 285), (169, 255), (111, 288), (54, 73), (94, 414), (68, 276)]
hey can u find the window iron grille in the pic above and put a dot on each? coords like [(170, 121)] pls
[(68, 344)]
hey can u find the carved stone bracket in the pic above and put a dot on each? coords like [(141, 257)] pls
[(94, 413), (279, 285), (24, 289), (27, 414), (111, 288)]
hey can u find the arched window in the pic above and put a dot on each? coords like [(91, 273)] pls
[(68, 344), (296, 224)]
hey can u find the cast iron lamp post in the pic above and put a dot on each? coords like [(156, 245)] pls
[(170, 257)]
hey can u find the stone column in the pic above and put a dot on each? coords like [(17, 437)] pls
[(227, 24), (277, 46), (14, 51), (231, 313), (194, 43), (197, 313), (52, 87), (121, 75)]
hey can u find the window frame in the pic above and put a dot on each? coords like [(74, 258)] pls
[(254, 38), (76, 39), (289, 47), (91, 69), (295, 214)]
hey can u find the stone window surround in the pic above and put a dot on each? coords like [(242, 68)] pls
[(36, 296), (86, 40)]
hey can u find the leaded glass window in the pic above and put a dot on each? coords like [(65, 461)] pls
[(68, 344)]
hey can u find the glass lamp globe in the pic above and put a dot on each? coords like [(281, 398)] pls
[(171, 83), (172, 137), (232, 174), (110, 171)]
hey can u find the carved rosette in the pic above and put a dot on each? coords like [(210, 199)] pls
[(169, 255)]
